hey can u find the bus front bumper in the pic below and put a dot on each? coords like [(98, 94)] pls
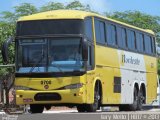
[(70, 96)]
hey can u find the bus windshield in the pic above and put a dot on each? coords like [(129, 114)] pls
[(49, 55)]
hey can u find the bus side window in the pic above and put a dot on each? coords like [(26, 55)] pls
[(147, 44), (111, 35), (131, 40), (121, 37), (88, 29), (139, 42), (153, 46), (89, 56), (100, 31), (90, 62)]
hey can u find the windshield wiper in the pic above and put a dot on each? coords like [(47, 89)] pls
[(57, 66), (35, 65)]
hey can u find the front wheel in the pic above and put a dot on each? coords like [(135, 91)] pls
[(94, 106), (36, 108)]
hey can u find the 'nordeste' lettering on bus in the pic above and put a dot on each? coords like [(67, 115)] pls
[(130, 60)]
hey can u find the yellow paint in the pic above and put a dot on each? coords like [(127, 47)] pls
[(56, 83), (108, 68), (151, 76)]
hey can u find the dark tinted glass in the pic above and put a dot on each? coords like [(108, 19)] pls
[(88, 28), (147, 43), (131, 39), (153, 45), (45, 27), (100, 31), (111, 35), (139, 42), (121, 37)]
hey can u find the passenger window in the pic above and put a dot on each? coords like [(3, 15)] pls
[(111, 35), (90, 62), (121, 37), (131, 40), (153, 46), (139, 42), (147, 44), (88, 28), (89, 56), (100, 31)]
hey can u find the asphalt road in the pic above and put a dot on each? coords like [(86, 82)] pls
[(153, 114)]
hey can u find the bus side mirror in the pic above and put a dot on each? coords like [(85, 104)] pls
[(5, 48), (85, 50)]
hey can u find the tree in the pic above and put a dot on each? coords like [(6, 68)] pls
[(52, 6), (138, 19), (8, 16), (6, 30), (25, 9), (76, 5)]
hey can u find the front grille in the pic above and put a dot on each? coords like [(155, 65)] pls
[(47, 96)]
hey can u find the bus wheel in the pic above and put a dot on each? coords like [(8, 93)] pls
[(36, 108), (133, 107), (81, 108), (93, 107), (141, 99), (123, 108)]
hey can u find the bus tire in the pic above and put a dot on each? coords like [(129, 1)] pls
[(123, 108), (133, 107), (36, 108), (97, 97), (140, 99), (81, 108)]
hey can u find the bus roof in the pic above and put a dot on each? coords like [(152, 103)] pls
[(74, 14)]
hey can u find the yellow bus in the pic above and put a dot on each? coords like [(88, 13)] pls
[(78, 58)]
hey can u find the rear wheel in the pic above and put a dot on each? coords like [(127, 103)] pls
[(36, 108), (133, 107), (123, 107), (141, 99)]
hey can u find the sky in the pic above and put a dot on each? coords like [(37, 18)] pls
[(151, 7)]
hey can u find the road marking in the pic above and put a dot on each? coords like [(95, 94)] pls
[(61, 111)]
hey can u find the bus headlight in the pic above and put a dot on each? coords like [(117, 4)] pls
[(21, 88), (73, 86)]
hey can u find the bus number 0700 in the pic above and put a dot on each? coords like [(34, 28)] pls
[(45, 82)]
